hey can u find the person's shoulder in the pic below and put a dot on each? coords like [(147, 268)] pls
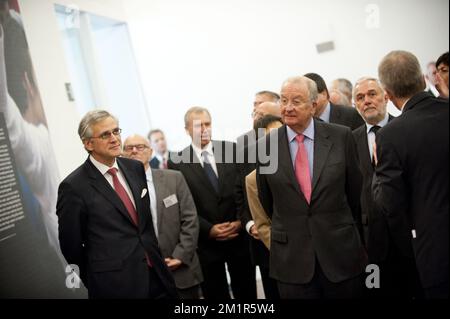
[(78, 176), (168, 173), (331, 128), (360, 130), (129, 163)]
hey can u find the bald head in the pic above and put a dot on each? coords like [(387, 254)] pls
[(266, 108)]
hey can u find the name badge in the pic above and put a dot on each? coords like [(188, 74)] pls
[(170, 200)]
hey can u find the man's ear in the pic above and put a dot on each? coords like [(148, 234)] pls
[(88, 145)]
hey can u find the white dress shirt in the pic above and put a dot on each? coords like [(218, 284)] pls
[(208, 148), (371, 135), (104, 170), (152, 193)]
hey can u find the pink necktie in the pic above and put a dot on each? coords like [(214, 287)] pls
[(120, 190), (302, 168)]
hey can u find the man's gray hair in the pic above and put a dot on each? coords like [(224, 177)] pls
[(91, 118), (194, 110), (365, 79), (400, 74), (312, 86)]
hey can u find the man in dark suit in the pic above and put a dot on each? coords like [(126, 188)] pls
[(104, 223), (210, 170), (247, 164), (311, 191), (399, 277), (411, 177), (332, 113), (174, 218), (161, 154)]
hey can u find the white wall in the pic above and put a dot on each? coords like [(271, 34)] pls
[(51, 72), (217, 54)]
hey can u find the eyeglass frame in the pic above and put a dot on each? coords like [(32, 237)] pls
[(139, 147), (107, 135)]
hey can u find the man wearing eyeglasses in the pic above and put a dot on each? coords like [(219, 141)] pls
[(104, 225), (174, 218)]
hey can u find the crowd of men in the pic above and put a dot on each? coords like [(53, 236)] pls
[(313, 194)]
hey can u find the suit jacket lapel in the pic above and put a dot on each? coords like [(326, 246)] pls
[(160, 190), (363, 150), (219, 157), (98, 181), (131, 179), (322, 146), (334, 114)]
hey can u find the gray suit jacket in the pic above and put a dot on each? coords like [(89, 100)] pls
[(178, 226)]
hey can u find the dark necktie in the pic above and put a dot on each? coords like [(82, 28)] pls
[(374, 129), (120, 190), (210, 172)]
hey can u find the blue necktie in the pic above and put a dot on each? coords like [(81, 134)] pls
[(210, 172)]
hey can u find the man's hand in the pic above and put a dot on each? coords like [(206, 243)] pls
[(173, 263), (225, 231), (254, 232)]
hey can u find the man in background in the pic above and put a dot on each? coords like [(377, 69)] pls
[(332, 113), (174, 219), (410, 185), (159, 146), (210, 170), (399, 277), (442, 84)]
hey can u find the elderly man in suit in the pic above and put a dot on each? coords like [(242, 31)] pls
[(332, 113), (313, 199), (104, 223), (411, 177), (398, 273), (174, 218), (210, 170)]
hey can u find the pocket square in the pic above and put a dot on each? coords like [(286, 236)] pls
[(144, 191)]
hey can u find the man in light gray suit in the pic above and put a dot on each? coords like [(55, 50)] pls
[(174, 219)]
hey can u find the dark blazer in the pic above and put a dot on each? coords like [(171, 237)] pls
[(374, 223), (345, 115), (327, 229), (154, 162), (212, 208), (411, 181), (178, 226), (246, 163), (97, 234)]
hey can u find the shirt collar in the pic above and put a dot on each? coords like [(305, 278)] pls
[(382, 123), (404, 104), (198, 151), (102, 167), (325, 116), (308, 132)]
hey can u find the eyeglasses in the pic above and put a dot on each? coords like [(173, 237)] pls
[(139, 147), (107, 135)]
